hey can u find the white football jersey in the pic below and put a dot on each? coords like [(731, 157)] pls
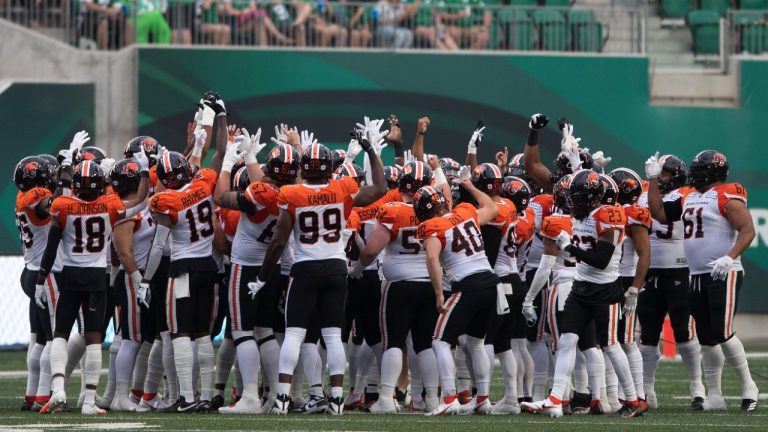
[(542, 207), (585, 236), (254, 231), (506, 221), (143, 234), (33, 231), (405, 258), (666, 239), (636, 215), (565, 265)]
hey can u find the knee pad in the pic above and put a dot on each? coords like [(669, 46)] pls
[(263, 335), (296, 334), (568, 341), (331, 334), (240, 336)]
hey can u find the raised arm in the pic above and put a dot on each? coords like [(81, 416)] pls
[(417, 149), (532, 158), (474, 142), (487, 209), (655, 202), (369, 194)]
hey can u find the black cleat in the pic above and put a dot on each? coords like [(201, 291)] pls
[(217, 402), (180, 406), (580, 403), (748, 405), (697, 404), (205, 407), (26, 405), (628, 410), (314, 405)]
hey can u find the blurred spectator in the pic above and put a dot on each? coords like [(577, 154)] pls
[(180, 15), (360, 34), (106, 23), (391, 32), (251, 24), (468, 20), (330, 24), (210, 24), (151, 22), (429, 31)]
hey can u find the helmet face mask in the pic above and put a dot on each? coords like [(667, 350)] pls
[(610, 190), (428, 203), (708, 167), (586, 192), (240, 180)]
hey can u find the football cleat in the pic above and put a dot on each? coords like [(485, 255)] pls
[(697, 404), (27, 403), (56, 404), (450, 405), (204, 406), (483, 406), (506, 406), (180, 406), (155, 402), (464, 396), (429, 404), (629, 409), (383, 406), (580, 403), (135, 396), (217, 402), (419, 405), (595, 408), (123, 403), (296, 403), (92, 409), (315, 404), (714, 403), (355, 401), (335, 406), (468, 408), (267, 403), (748, 405), (246, 405), (37, 406), (653, 403), (281, 405), (612, 405), (545, 407), (642, 407)]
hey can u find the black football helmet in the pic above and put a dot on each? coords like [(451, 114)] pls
[(426, 203), (351, 170), (32, 172), (610, 190), (488, 178), (676, 167), (450, 167), (240, 181), (518, 191), (125, 176), (392, 176), (282, 164), (561, 195), (414, 176), (516, 168), (146, 143), (88, 180), (317, 163), (339, 156), (173, 170), (563, 167), (53, 164), (93, 153), (709, 166), (629, 183), (586, 192)]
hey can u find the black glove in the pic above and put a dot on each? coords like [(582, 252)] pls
[(363, 141), (562, 122), (538, 121), (217, 106)]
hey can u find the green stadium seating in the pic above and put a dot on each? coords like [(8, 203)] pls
[(753, 4), (676, 9), (750, 26), (705, 28), (550, 27), (719, 6), (560, 3), (516, 28), (586, 33), (523, 2)]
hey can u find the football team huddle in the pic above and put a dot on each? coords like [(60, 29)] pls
[(413, 280)]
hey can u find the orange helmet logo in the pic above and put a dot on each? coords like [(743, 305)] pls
[(150, 145), (593, 180), (30, 169), (130, 169)]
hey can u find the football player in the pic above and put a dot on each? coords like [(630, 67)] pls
[(717, 229), (315, 213), (598, 232), (666, 289), (453, 244), (82, 224)]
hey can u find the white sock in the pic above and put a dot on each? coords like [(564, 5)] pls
[(183, 358), (109, 389), (310, 358), (467, 358), (691, 353), (58, 363), (270, 357), (463, 376), (635, 360), (337, 359), (140, 368), (225, 357), (392, 365), (566, 359), (536, 376), (195, 367), (415, 369), (354, 351), (154, 368), (124, 363), (509, 372), (248, 361), (651, 356), (169, 366), (44, 382), (612, 387), (595, 364), (480, 365), (429, 374), (712, 360), (580, 376), (374, 377), (490, 353), (290, 350), (91, 372), (733, 350), (518, 346), (75, 352), (363, 361), (206, 359), (297, 383), (446, 366), (33, 368)]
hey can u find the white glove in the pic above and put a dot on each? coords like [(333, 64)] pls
[(574, 161), (231, 156), (408, 157), (630, 300), (379, 145), (563, 240), (529, 312), (356, 272), (66, 157), (652, 166), (206, 119), (477, 137), (307, 139), (600, 160), (353, 150), (280, 136), (464, 174), (106, 165), (721, 267), (200, 137), (199, 118), (142, 160), (41, 296), (255, 287), (78, 140), (250, 145), (143, 293), (568, 139)]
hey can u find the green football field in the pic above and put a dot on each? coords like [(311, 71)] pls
[(671, 387)]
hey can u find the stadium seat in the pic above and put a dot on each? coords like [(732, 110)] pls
[(719, 6), (550, 28), (516, 29), (753, 4), (558, 3), (523, 2), (705, 28), (675, 9), (585, 32), (750, 26)]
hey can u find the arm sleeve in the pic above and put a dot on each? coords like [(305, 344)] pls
[(598, 258), (245, 205), (156, 253), (673, 209), (49, 256), (541, 277), (492, 240), (133, 211)]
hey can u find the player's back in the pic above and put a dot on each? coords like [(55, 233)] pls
[(636, 215), (143, 233), (255, 229), (586, 234), (506, 221), (541, 205), (405, 258), (33, 231)]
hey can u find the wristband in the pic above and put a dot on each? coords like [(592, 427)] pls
[(472, 149), (533, 138), (421, 133), (144, 173)]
